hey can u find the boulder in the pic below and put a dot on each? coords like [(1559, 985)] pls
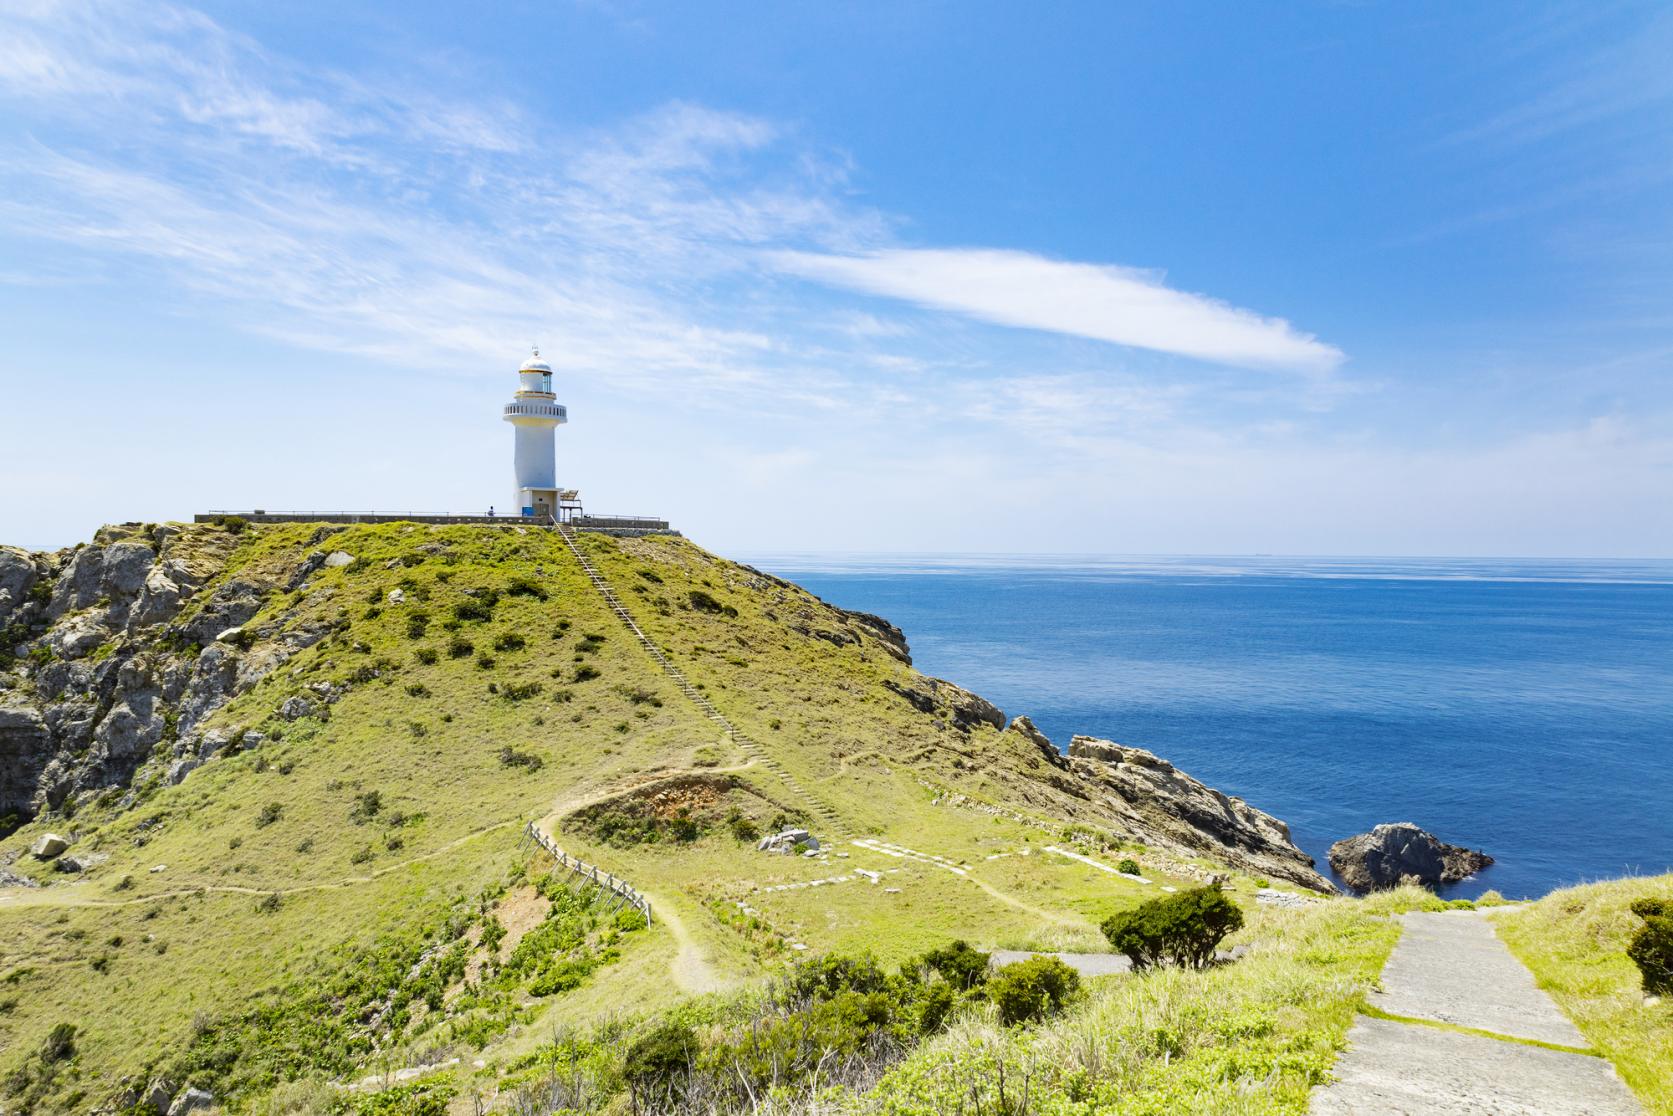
[(157, 1095), (295, 708), (192, 1100), (789, 842), (1394, 852), (338, 558), (48, 845)]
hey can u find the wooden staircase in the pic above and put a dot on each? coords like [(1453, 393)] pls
[(821, 810)]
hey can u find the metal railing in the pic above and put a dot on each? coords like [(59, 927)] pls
[(591, 872)]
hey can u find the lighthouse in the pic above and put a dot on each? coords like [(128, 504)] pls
[(535, 414)]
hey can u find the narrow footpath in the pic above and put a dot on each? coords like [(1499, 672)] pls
[(1471, 1034)]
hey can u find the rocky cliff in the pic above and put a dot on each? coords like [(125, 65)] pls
[(115, 653)]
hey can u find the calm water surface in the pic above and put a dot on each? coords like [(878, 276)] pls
[(1521, 707)]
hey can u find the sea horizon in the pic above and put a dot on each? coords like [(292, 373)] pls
[(1334, 693)]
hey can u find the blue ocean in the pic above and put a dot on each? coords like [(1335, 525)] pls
[(1520, 707)]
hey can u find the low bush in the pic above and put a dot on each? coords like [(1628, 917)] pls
[(473, 609), (526, 587), (586, 672), (417, 624), (366, 807), (704, 602), (1651, 949), (427, 655), (520, 691), (510, 641), (657, 1063), (1181, 929), (959, 964), (1032, 990), (269, 814), (742, 828), (1129, 866), (511, 757), (460, 648)]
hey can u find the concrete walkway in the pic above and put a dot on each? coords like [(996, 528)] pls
[(1450, 967)]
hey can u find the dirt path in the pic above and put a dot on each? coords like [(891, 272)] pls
[(71, 896), (691, 967), (1462, 1030)]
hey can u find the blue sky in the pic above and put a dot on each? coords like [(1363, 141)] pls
[(1214, 278)]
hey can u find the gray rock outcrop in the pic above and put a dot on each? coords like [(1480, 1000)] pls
[(789, 842), (191, 1100), (1394, 852), (1153, 797), (103, 668)]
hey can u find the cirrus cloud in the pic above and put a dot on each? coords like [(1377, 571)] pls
[(1100, 301)]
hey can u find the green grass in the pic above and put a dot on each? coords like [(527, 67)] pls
[(203, 941), (1575, 942), (1245, 1038)]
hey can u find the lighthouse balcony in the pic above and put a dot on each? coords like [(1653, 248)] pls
[(555, 412)]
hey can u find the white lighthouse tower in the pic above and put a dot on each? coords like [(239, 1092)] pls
[(536, 414)]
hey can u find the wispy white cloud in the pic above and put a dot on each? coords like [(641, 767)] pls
[(1107, 303)]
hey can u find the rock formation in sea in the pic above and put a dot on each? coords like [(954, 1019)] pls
[(1397, 851)]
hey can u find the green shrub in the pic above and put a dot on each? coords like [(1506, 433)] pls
[(473, 609), (1651, 949), (60, 1044), (484, 661), (959, 964), (1129, 866), (366, 806), (1032, 990), (417, 624), (427, 655), (235, 524), (586, 673), (269, 814), (934, 1006), (521, 691), (511, 757), (703, 602), (656, 1063), (1180, 929), (742, 828), (510, 641), (683, 828), (417, 690), (525, 587), (270, 902), (460, 648)]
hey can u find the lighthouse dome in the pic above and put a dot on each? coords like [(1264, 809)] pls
[(535, 364)]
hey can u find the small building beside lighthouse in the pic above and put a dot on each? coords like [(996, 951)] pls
[(536, 414)]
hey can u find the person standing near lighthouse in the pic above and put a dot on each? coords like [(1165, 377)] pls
[(535, 414)]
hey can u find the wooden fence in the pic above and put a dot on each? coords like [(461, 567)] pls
[(590, 872)]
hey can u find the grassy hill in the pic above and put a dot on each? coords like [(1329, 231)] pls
[(312, 884)]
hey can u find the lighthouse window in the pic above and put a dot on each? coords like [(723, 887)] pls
[(546, 382)]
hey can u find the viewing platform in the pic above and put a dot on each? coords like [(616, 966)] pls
[(619, 525)]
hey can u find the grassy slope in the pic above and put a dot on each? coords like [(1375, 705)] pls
[(862, 749), (1575, 942)]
